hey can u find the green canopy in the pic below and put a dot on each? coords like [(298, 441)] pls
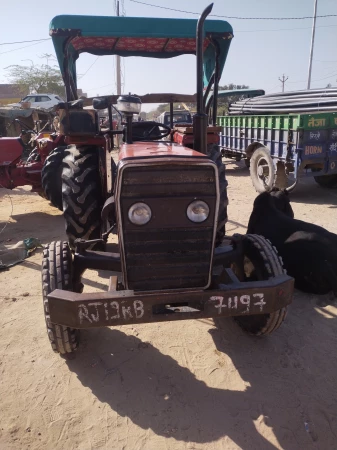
[(135, 36)]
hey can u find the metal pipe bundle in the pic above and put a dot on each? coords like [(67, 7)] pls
[(305, 101)]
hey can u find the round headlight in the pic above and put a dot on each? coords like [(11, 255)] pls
[(198, 211), (139, 214), (129, 104)]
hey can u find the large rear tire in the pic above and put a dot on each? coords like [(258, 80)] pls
[(51, 177), (214, 154), (261, 262), (82, 193), (57, 274)]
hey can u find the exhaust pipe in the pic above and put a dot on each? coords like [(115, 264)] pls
[(200, 119)]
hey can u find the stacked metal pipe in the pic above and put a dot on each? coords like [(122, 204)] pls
[(306, 101)]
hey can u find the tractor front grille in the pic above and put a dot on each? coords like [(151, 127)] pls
[(170, 252)]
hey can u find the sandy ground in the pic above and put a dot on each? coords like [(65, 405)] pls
[(179, 385)]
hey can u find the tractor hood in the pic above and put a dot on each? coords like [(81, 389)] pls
[(157, 150)]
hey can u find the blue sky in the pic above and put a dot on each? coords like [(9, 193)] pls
[(261, 51)]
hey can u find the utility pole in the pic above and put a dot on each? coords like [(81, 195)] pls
[(118, 62), (283, 80), (312, 44)]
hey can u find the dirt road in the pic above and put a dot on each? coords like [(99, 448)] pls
[(179, 385)]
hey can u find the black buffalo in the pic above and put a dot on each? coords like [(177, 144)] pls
[(309, 252)]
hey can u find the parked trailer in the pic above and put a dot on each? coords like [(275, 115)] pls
[(280, 149)]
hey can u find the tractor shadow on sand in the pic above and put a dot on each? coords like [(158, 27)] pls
[(288, 377)]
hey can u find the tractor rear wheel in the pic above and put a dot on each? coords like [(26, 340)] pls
[(261, 262), (57, 274), (82, 193), (51, 177), (215, 155)]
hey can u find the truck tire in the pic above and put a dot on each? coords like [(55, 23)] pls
[(51, 177), (82, 194), (327, 181), (261, 263), (262, 171), (214, 154), (57, 274)]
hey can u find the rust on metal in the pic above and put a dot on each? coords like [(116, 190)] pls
[(125, 307)]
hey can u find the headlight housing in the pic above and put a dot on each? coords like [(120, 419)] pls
[(140, 214), (129, 104), (198, 211)]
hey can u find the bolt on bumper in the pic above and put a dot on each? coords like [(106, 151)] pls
[(112, 308)]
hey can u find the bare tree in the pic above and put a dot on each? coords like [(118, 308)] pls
[(36, 78)]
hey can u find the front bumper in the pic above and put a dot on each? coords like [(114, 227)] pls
[(125, 307)]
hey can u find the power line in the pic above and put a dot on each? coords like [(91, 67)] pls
[(316, 79), (20, 48), (275, 87), (319, 60), (324, 78), (80, 78), (237, 31), (23, 42), (232, 17), (287, 29), (100, 87)]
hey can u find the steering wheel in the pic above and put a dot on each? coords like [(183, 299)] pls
[(149, 131), (27, 129)]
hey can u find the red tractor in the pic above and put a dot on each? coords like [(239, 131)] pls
[(39, 167), (166, 200)]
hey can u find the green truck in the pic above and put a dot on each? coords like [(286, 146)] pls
[(280, 149)]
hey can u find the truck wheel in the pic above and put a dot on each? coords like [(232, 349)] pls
[(57, 274), (214, 154), (327, 181), (262, 171), (261, 262), (51, 177), (81, 192)]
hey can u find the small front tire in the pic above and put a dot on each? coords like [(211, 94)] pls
[(261, 262), (57, 274)]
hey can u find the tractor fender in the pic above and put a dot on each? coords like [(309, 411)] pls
[(11, 149)]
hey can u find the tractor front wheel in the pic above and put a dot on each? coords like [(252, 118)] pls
[(57, 274), (261, 262)]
